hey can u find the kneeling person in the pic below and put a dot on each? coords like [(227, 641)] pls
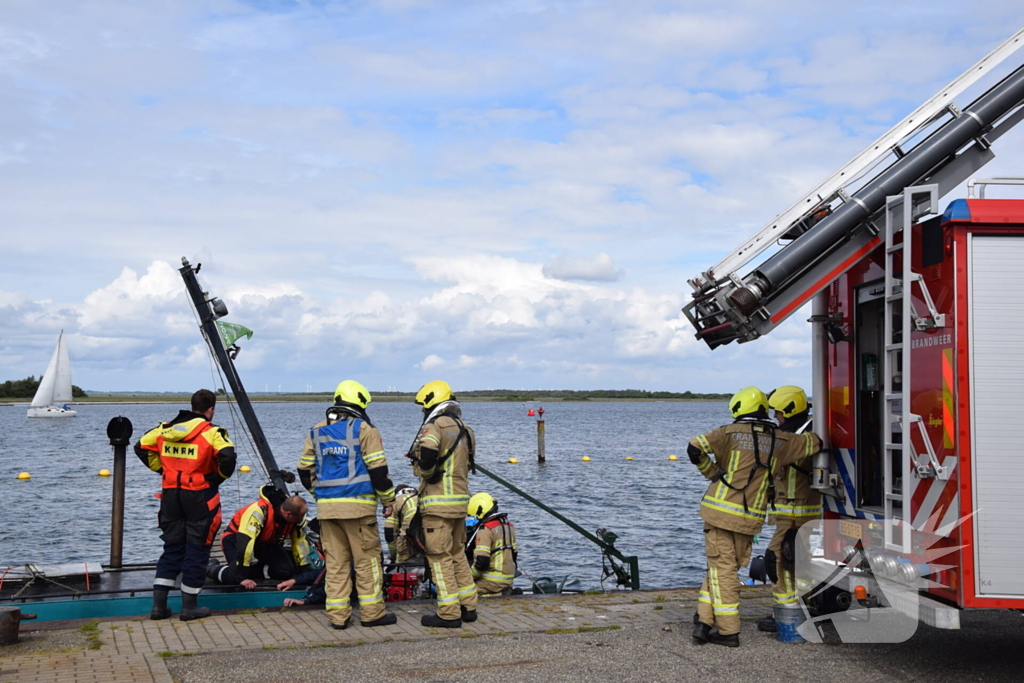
[(254, 540), (492, 545)]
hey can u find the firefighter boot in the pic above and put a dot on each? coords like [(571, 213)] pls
[(731, 640), (385, 620), (701, 633), (160, 608), (190, 608), (468, 615), (768, 624), (434, 620)]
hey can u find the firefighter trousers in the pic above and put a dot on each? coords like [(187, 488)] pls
[(273, 561), (784, 589), (719, 600), (445, 541), (490, 587), (189, 521), (349, 542)]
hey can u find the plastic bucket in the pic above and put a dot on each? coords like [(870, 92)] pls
[(787, 621)]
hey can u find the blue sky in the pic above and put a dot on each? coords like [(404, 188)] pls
[(500, 194)]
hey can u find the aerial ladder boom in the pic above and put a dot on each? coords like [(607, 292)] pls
[(839, 222)]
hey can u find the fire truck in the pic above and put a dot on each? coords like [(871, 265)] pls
[(918, 349)]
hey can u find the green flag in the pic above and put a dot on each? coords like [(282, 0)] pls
[(230, 332)]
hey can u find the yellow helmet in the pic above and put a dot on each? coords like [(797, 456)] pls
[(748, 401), (481, 505), (432, 393), (788, 400), (351, 391)]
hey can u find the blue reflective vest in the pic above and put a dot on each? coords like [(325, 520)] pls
[(340, 470)]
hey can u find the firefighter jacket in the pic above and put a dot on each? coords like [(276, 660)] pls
[(495, 551), (261, 522), (444, 484), (189, 452), (348, 468), (794, 497), (747, 453), (396, 527)]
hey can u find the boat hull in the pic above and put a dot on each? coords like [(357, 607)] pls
[(52, 411)]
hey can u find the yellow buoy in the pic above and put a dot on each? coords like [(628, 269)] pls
[(672, 457), (512, 461), (586, 458), (629, 457), (104, 473), (244, 468), (24, 475)]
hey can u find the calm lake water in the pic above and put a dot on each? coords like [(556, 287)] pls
[(63, 513)]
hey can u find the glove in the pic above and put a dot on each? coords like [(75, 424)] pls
[(481, 562)]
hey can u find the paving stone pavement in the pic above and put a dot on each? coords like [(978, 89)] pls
[(135, 649)]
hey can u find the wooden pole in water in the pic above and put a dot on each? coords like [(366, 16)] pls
[(540, 435), (119, 430)]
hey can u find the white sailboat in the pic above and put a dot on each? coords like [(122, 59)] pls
[(55, 387)]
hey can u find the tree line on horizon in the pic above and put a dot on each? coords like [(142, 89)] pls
[(26, 388), (573, 394)]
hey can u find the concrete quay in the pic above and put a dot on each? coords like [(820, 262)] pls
[(619, 636)]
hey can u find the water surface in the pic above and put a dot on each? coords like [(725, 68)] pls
[(63, 513)]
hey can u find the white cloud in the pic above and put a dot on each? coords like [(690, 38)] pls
[(601, 268)]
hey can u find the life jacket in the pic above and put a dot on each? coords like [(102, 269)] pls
[(186, 456), (274, 530), (341, 474)]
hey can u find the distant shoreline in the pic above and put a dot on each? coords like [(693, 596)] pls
[(146, 399)]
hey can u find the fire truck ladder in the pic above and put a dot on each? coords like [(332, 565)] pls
[(901, 319)]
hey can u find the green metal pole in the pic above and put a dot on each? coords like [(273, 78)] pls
[(632, 561)]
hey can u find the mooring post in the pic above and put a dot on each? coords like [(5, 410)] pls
[(540, 434), (119, 430)]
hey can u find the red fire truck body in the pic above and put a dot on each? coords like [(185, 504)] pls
[(961, 484)]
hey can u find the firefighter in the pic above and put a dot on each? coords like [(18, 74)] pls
[(399, 531), (193, 457), (746, 454), (492, 544), (343, 465), (796, 503), (442, 456), (314, 575), (254, 541)]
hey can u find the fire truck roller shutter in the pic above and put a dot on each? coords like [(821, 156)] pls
[(995, 280)]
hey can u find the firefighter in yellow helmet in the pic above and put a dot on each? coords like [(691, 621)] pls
[(442, 455), (739, 459), (492, 545), (403, 547), (343, 465), (796, 503)]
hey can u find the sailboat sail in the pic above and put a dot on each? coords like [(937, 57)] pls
[(62, 383), (45, 393)]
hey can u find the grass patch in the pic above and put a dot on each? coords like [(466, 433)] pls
[(328, 645), (592, 592), (582, 629), (92, 634), (270, 647), (253, 610), (661, 598), (659, 607), (470, 635)]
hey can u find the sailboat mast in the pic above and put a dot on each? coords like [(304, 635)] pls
[(209, 309)]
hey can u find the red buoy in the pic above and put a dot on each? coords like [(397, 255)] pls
[(530, 413)]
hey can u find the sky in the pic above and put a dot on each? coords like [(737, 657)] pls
[(502, 194)]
